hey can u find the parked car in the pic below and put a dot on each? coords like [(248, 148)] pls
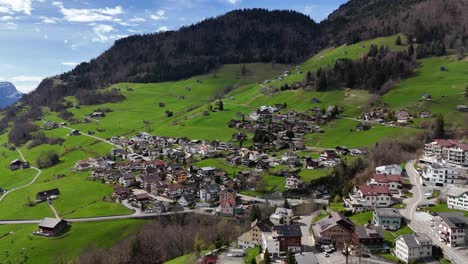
[(325, 254)]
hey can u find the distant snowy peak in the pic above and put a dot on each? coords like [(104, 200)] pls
[(8, 94)]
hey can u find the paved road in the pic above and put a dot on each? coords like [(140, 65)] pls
[(26, 185), (420, 225), (97, 138), (105, 218), (53, 209)]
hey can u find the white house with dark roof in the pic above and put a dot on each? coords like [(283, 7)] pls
[(457, 198), (443, 175), (389, 169), (451, 227), (413, 247), (387, 218)]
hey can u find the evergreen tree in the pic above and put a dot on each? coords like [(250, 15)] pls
[(398, 41), (438, 130), (411, 50), (290, 258), (218, 241), (221, 105), (286, 204), (255, 213), (266, 258)]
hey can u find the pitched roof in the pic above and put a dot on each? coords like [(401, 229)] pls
[(454, 219), (387, 212), (456, 191), (386, 178), (50, 222), (414, 240), (332, 220), (288, 230), (450, 143), (363, 232), (265, 225), (373, 190)]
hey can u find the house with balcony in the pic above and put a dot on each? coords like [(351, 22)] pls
[(366, 197), (283, 238), (392, 181), (335, 228), (387, 218), (448, 151), (253, 237), (443, 175), (411, 248), (451, 228), (457, 198)]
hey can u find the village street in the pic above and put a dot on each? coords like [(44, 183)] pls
[(421, 221)]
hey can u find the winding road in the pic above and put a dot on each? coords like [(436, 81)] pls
[(419, 225), (26, 185)]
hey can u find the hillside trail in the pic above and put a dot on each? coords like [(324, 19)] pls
[(26, 185)]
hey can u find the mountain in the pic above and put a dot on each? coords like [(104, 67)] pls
[(254, 35), (241, 36), (422, 20), (8, 94)]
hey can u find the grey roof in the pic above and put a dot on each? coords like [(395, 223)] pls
[(332, 220), (368, 232), (288, 230), (265, 225), (50, 222), (414, 240), (456, 191), (454, 219), (387, 212)]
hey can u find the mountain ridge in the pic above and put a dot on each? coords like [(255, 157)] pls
[(8, 94)]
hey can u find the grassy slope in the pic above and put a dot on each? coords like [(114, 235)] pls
[(20, 242)]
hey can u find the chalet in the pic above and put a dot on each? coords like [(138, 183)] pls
[(50, 125), (18, 164), (334, 228), (342, 150), (426, 97), (293, 182), (462, 108), (457, 198), (312, 164), (46, 195), (51, 227), (425, 114), (366, 197), (97, 114), (227, 206), (402, 116), (174, 190), (127, 180), (328, 155), (363, 126), (368, 237), (253, 237), (240, 136), (120, 193), (186, 200), (75, 132), (157, 207)]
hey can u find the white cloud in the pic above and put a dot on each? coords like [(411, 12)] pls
[(49, 20), (160, 15), (233, 2), (23, 78), (163, 28), (16, 6), (69, 63), (89, 15), (309, 9), (102, 33), (6, 18), (137, 19), (65, 41), (11, 25)]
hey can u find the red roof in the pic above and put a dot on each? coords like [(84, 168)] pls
[(373, 190), (385, 178), (451, 143), (227, 202)]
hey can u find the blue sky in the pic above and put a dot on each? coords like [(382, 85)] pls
[(40, 38)]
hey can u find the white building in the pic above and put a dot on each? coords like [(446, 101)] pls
[(457, 198), (282, 216), (451, 228), (441, 175), (366, 197), (412, 247), (446, 150), (393, 181), (389, 169)]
